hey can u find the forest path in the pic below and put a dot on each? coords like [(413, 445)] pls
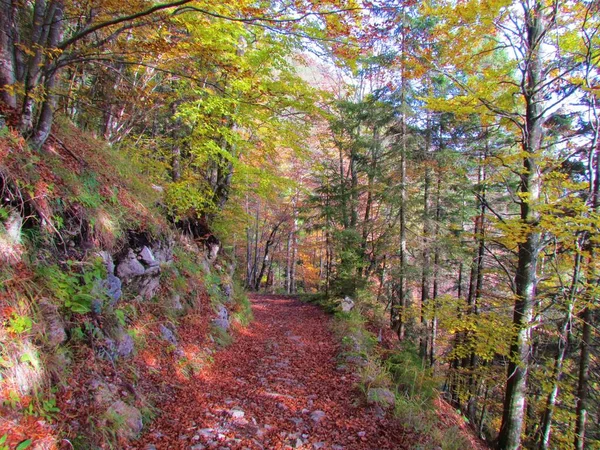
[(275, 387)]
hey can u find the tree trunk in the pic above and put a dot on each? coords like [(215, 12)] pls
[(509, 437), (43, 127), (584, 379), (265, 259), (583, 395), (426, 269), (8, 64), (399, 305), (436, 266)]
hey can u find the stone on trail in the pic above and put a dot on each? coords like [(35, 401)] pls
[(317, 416), (237, 413)]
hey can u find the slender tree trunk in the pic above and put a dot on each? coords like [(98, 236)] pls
[(398, 310), (426, 269), (509, 437), (583, 394), (288, 266), (255, 245), (294, 255), (436, 267), (266, 255)]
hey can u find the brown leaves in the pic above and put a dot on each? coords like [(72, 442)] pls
[(278, 372)]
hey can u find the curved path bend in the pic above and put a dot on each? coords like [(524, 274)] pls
[(276, 387)]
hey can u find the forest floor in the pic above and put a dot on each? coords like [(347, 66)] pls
[(277, 386)]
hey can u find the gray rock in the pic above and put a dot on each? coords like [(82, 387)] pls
[(130, 267), (222, 319), (54, 327), (205, 265), (163, 251), (126, 418), (318, 445), (150, 447), (206, 432), (222, 313), (197, 447), (110, 286), (317, 416), (147, 287), (148, 257), (227, 289), (97, 306), (296, 421), (152, 271), (381, 396), (213, 251), (113, 288), (125, 345), (167, 334), (347, 304)]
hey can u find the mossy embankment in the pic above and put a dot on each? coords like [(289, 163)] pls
[(105, 305)]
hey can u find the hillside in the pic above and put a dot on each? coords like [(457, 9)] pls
[(100, 296), (427, 172)]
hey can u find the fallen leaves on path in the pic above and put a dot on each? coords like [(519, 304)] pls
[(275, 387)]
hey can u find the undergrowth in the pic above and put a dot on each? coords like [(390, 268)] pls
[(400, 370), (79, 197)]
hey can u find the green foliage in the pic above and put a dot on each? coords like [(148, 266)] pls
[(188, 197), (23, 445), (243, 309), (19, 324), (212, 284), (4, 213), (44, 408), (75, 286), (221, 337), (89, 195), (412, 379), (347, 280), (186, 263)]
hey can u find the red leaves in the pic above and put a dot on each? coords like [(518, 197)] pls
[(278, 371)]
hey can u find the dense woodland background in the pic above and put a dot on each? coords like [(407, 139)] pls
[(436, 160)]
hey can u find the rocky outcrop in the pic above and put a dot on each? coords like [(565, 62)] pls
[(222, 319), (130, 267), (140, 267)]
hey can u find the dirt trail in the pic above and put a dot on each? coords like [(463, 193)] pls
[(275, 387)]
